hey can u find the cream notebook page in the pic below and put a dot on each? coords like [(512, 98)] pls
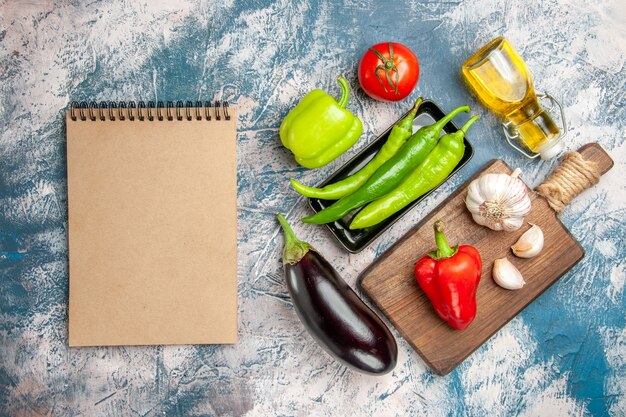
[(152, 231)]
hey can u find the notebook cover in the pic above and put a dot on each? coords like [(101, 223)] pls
[(152, 231)]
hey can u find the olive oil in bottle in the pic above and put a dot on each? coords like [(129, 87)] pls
[(500, 80)]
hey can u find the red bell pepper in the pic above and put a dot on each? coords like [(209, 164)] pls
[(450, 277)]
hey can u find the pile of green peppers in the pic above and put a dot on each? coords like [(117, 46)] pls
[(407, 166)]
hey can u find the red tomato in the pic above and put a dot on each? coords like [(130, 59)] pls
[(388, 71)]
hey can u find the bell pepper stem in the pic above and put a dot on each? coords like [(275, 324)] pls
[(295, 249), (345, 91), (468, 124), (444, 250)]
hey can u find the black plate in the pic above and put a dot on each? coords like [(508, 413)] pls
[(355, 240)]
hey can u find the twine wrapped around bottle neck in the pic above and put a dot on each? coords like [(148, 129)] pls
[(570, 178)]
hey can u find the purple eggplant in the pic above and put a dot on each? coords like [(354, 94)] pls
[(332, 312)]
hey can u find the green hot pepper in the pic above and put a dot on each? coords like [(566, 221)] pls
[(434, 170), (399, 134), (390, 174), (319, 129)]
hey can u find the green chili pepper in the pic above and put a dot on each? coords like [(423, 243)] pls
[(390, 174), (319, 128), (398, 136), (434, 170)]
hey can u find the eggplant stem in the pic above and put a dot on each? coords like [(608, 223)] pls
[(295, 249)]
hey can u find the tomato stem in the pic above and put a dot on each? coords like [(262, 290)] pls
[(387, 65)]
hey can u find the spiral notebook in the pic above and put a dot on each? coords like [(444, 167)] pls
[(152, 193)]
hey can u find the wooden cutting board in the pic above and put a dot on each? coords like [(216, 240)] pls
[(389, 281)]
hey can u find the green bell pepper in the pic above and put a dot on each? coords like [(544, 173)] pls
[(399, 134), (319, 128)]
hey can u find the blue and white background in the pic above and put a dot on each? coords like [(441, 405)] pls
[(564, 355)]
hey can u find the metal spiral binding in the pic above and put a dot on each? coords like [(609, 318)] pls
[(168, 111)]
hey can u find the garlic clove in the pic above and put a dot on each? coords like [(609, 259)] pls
[(506, 275), (512, 224), (530, 243)]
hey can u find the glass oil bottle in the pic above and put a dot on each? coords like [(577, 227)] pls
[(500, 80)]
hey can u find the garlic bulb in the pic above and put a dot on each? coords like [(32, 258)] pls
[(530, 243), (498, 201), (506, 275)]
